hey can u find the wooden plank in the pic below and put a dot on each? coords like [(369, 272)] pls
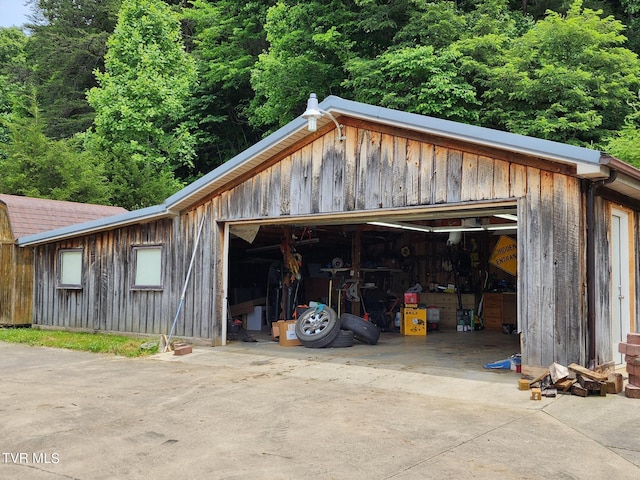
[(500, 179), (469, 181), (275, 191), (301, 181), (590, 374), (372, 172), (317, 166), (427, 166), (400, 180), (327, 174), (285, 184), (412, 172), (454, 176), (531, 273), (440, 175), (548, 280), (350, 177), (388, 162), (361, 175), (485, 178), (337, 152)]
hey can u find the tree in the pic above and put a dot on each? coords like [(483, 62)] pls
[(12, 81), (36, 166), (140, 104), (417, 80), (67, 43), (308, 47), (227, 37), (567, 79)]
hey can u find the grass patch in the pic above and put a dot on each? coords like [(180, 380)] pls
[(89, 342)]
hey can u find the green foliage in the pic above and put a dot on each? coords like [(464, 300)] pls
[(140, 104), (415, 80), (64, 48), (37, 166), (306, 54), (567, 79), (227, 37)]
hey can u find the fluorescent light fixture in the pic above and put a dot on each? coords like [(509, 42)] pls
[(403, 226), (507, 216), (423, 228), (501, 227)]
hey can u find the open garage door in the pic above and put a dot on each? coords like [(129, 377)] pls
[(459, 264)]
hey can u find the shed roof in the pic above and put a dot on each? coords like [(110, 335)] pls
[(589, 163), (29, 216)]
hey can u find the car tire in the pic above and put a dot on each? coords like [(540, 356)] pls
[(344, 339), (363, 330), (317, 327)]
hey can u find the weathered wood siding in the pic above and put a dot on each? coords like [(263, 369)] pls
[(374, 170), (107, 302), (16, 277)]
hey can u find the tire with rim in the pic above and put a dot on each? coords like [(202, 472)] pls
[(317, 327), (344, 339), (362, 330)]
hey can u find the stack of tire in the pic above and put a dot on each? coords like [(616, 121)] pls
[(319, 327)]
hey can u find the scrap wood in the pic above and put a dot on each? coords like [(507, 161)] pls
[(539, 378), (565, 385), (615, 383), (585, 372), (576, 389)]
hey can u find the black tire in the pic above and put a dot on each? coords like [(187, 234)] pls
[(344, 339), (362, 330), (317, 328)]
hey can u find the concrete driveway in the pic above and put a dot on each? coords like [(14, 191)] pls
[(221, 413)]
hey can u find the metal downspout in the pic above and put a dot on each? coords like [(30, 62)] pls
[(591, 265)]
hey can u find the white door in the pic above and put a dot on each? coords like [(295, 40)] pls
[(621, 293)]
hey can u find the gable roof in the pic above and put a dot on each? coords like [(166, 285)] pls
[(589, 163), (29, 216)]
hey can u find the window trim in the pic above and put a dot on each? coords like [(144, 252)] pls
[(134, 270), (61, 267)]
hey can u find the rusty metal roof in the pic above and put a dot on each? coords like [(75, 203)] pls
[(29, 215)]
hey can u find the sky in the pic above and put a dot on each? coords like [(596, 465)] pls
[(13, 13)]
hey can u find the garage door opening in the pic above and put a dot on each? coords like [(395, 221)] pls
[(411, 277)]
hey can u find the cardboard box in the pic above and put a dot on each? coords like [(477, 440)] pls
[(414, 321), (287, 333)]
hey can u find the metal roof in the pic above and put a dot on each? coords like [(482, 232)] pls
[(294, 131)]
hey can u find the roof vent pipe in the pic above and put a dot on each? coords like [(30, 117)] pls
[(591, 266)]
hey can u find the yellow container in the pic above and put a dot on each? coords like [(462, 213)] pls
[(414, 321)]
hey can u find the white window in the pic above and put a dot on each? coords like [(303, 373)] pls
[(70, 268), (147, 267)]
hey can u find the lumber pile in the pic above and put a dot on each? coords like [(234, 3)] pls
[(574, 379), (631, 351)]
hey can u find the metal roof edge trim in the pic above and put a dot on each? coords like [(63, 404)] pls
[(461, 131), (93, 226), (229, 166)]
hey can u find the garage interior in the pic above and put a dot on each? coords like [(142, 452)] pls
[(452, 271)]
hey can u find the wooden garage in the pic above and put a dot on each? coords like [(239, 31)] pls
[(395, 199)]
